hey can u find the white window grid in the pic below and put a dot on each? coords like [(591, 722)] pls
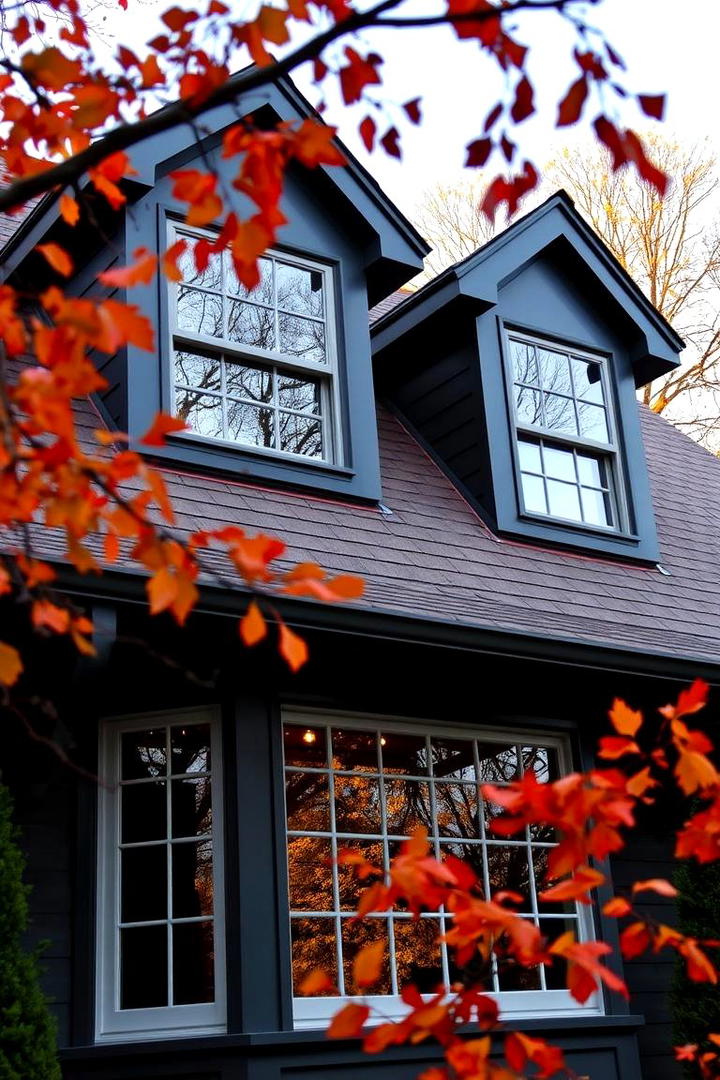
[(273, 361), (114, 1023), (606, 451), (542, 1001)]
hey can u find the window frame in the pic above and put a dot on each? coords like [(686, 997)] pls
[(113, 1024), (313, 1013), (611, 451), (327, 374)]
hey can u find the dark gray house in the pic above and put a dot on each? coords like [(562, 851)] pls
[(533, 544)]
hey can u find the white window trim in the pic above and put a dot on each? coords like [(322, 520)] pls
[(513, 1004), (113, 1024), (611, 450), (327, 373)]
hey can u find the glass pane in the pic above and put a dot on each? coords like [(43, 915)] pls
[(528, 406), (587, 377), (508, 869), (472, 854), (143, 754), (209, 278), (591, 471), (355, 936), (300, 393), (262, 293), (192, 880), (144, 884), (541, 760), (143, 967), (191, 807), (144, 812), (596, 507), (529, 454), (355, 750), (523, 361), (310, 873), (199, 312), (300, 435), (554, 371), (249, 324), (303, 338), (564, 500), (193, 963), (552, 929), (194, 369), (453, 757), (512, 976), (534, 494), (201, 413), (305, 747), (559, 463), (404, 754), (457, 810), (407, 805), (299, 290), (250, 425), (248, 382), (498, 763), (542, 881), (593, 422), (560, 414), (357, 805), (190, 748), (351, 888), (417, 954), (307, 801), (313, 946)]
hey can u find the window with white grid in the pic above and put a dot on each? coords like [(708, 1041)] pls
[(365, 785), (160, 925), (566, 450), (255, 368)]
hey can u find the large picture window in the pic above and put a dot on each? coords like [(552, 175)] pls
[(160, 925), (566, 447), (359, 784), (256, 368)]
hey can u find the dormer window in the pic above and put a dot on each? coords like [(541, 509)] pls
[(566, 450), (256, 369)]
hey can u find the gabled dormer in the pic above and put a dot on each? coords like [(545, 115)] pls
[(274, 384), (518, 368)]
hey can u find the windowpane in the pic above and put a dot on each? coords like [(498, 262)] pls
[(542, 761), (310, 872), (143, 810), (249, 382), (417, 953), (307, 801), (350, 888), (591, 471), (559, 463), (262, 293), (406, 754), (192, 880), (143, 967), (143, 893), (453, 758), (313, 947), (300, 290), (564, 500), (596, 507), (529, 453), (552, 929), (534, 494), (407, 806), (559, 414), (193, 963), (201, 372), (305, 747), (300, 435), (209, 278), (191, 807), (355, 936), (524, 364), (498, 763), (355, 750), (201, 413), (593, 422), (457, 810), (587, 378), (508, 869), (357, 804), (511, 976), (529, 406), (302, 338), (250, 324), (251, 425), (190, 749), (299, 393), (200, 312), (554, 370), (143, 754)]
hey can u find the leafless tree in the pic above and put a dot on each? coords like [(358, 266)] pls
[(449, 217)]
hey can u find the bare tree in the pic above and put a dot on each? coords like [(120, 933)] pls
[(671, 248), (449, 217)]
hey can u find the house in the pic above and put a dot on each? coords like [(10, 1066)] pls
[(533, 545)]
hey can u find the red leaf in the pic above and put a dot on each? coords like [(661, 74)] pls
[(390, 142), (412, 108), (368, 130), (652, 105), (368, 963), (478, 153), (349, 1022), (616, 746), (570, 108), (357, 74), (140, 272), (492, 116), (656, 885), (523, 104), (609, 136), (161, 426)]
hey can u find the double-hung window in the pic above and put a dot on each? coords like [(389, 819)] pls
[(353, 783), (567, 452), (160, 967), (256, 369)]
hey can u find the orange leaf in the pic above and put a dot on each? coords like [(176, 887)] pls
[(58, 258), (10, 664), (349, 1022), (625, 720), (69, 210), (634, 940), (292, 648), (317, 982), (368, 963), (575, 888), (656, 885), (51, 617), (617, 907), (612, 747), (162, 589), (161, 426), (138, 273), (253, 627), (695, 771), (169, 260)]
